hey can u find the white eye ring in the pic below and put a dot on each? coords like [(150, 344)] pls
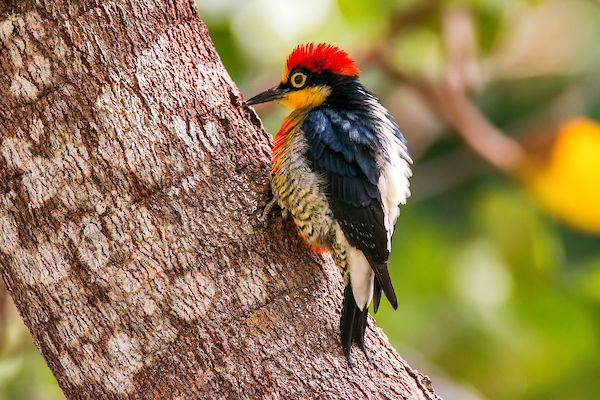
[(298, 80)]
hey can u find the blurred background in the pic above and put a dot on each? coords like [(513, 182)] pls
[(496, 258)]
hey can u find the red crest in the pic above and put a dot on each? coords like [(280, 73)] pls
[(321, 57)]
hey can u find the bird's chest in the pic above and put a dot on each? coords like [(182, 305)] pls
[(299, 190)]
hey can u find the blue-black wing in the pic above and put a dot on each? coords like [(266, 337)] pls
[(342, 145)]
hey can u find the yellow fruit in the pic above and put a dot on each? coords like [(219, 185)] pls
[(568, 184)]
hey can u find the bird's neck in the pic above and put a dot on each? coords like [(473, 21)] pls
[(347, 93), (290, 124)]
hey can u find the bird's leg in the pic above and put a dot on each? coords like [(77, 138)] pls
[(265, 212), (263, 218)]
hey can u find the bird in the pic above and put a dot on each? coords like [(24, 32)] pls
[(341, 169)]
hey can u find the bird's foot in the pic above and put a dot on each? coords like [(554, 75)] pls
[(365, 352), (284, 214), (349, 360), (262, 218), (367, 356)]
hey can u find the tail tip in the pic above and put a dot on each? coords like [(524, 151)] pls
[(353, 324)]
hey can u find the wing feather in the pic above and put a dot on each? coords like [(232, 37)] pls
[(341, 147)]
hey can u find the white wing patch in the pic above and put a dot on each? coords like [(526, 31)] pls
[(394, 185)]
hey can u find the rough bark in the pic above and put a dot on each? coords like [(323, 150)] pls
[(128, 168)]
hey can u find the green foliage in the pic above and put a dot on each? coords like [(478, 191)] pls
[(505, 101), (419, 52), (492, 301)]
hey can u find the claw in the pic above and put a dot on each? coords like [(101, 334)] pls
[(263, 216), (367, 356), (349, 360)]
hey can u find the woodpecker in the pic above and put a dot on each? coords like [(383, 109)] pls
[(340, 168)]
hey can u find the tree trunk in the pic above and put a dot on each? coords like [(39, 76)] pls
[(129, 168)]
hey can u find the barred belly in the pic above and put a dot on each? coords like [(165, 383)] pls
[(298, 190)]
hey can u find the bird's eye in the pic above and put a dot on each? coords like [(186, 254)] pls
[(298, 80)]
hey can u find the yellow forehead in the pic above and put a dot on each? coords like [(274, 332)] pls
[(284, 76), (305, 98)]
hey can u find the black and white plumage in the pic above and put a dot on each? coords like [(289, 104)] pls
[(365, 166), (341, 170)]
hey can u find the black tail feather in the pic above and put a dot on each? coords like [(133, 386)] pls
[(376, 295), (382, 276), (353, 324)]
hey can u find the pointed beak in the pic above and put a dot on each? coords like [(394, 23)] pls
[(274, 93)]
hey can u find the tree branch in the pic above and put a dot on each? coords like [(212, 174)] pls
[(449, 97)]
